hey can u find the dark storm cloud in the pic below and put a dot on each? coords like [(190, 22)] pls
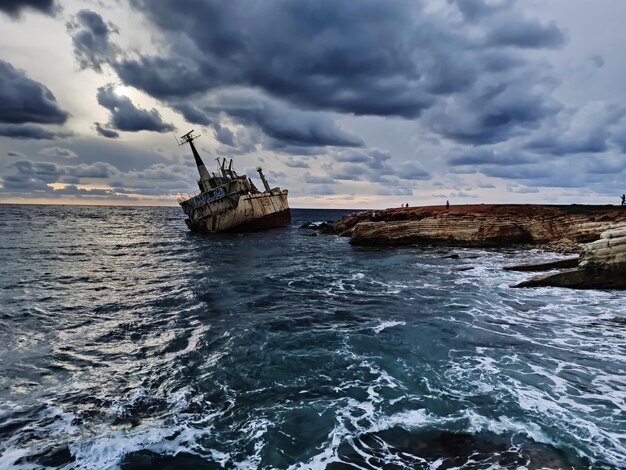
[(592, 128), (91, 39), (29, 131), (324, 55), (294, 127), (164, 77), (378, 58), (287, 125), (494, 111), (24, 100), (411, 171), (224, 135), (125, 116), (286, 149), (16, 7), (104, 132), (193, 114)]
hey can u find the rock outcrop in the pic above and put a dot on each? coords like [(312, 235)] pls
[(545, 265), (602, 265), (559, 227)]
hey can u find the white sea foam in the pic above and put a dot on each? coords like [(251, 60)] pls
[(387, 324)]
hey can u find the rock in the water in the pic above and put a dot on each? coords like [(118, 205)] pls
[(545, 265), (602, 266)]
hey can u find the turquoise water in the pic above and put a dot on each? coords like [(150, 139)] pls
[(127, 341)]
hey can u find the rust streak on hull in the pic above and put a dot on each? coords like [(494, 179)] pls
[(252, 213)]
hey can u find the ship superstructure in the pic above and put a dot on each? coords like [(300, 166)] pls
[(228, 202)]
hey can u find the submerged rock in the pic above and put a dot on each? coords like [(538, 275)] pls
[(602, 265)]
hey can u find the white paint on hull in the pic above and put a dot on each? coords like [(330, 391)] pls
[(220, 216)]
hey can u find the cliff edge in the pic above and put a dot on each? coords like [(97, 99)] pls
[(559, 227)]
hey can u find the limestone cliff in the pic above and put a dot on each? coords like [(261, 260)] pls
[(480, 225)]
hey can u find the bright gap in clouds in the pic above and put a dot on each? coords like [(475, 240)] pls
[(122, 90)]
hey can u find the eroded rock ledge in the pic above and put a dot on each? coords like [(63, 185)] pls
[(602, 265), (562, 228)]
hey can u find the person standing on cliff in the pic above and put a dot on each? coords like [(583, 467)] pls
[(623, 199), (447, 205)]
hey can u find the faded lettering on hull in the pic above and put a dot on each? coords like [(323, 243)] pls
[(253, 212)]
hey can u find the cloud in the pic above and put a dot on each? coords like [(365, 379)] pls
[(467, 74), (281, 123), (164, 77), (193, 114), (293, 163), (322, 190), (524, 33), (27, 177), (475, 10), (35, 176), (125, 116), (91, 40), (495, 111), (23, 100), (104, 132), (224, 135), (28, 131), (283, 66), (325, 55), (316, 179), (588, 129), (14, 8), (477, 157), (372, 164), (57, 152), (394, 190), (412, 170)]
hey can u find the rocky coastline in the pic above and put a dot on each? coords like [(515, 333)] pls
[(598, 233)]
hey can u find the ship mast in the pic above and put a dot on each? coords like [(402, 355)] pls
[(188, 138)]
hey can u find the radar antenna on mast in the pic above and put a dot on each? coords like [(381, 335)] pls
[(188, 137)]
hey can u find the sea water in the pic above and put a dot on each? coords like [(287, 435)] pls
[(127, 341)]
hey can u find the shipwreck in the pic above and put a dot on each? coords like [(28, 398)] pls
[(228, 202)]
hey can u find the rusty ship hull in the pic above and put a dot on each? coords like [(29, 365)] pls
[(252, 213), (229, 202)]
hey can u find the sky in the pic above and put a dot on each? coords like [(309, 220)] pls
[(348, 104)]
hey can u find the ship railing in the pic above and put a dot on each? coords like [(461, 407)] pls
[(183, 197)]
